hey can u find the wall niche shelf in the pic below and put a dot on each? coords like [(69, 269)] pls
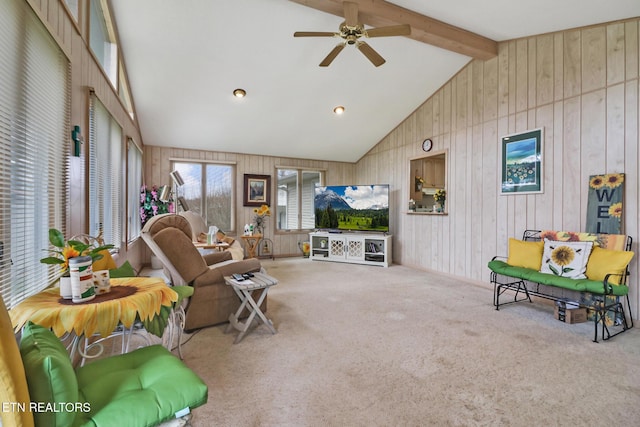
[(427, 175)]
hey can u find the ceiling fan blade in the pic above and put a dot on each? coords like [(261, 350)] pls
[(371, 54), (332, 55), (314, 34), (350, 13), (393, 30)]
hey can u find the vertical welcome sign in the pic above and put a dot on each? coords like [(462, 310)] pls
[(604, 204)]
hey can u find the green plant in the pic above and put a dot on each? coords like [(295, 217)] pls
[(440, 196), (70, 249)]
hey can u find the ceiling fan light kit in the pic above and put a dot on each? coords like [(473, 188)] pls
[(351, 31)]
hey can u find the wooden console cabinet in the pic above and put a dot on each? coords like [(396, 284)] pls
[(356, 248)]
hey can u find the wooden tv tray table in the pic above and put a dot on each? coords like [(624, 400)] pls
[(244, 289)]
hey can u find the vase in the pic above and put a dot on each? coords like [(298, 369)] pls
[(65, 287), (305, 248)]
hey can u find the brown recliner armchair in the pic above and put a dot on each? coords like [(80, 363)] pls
[(169, 238)]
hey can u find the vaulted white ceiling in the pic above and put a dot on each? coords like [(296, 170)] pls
[(185, 58)]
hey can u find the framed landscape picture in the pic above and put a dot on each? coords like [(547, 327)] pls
[(257, 190), (521, 162)]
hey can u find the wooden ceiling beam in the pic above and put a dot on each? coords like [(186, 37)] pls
[(380, 13)]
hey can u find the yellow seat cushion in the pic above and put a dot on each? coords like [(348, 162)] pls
[(13, 382), (104, 263), (606, 261), (525, 254)]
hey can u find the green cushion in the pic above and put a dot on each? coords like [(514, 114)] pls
[(50, 375), (580, 285), (125, 270), (141, 388)]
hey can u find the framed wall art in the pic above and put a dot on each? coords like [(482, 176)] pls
[(521, 162), (257, 190)]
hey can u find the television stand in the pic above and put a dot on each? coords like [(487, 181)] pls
[(355, 248)]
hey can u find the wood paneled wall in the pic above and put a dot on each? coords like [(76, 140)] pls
[(580, 85), (157, 165), (86, 74)]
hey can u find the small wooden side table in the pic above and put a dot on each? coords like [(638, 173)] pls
[(244, 289), (251, 243)]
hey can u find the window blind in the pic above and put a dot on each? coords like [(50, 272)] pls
[(34, 144), (134, 183), (105, 174)]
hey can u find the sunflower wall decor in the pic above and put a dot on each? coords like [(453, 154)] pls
[(604, 203)]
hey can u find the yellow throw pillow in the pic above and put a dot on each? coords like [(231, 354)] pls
[(13, 382), (525, 254), (104, 263), (606, 261)]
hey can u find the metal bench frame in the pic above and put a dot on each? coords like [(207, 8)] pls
[(524, 290)]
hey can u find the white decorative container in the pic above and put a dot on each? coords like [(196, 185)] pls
[(81, 279), (65, 287)]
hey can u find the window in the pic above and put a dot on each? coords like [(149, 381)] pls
[(105, 174), (134, 183), (72, 5), (124, 92), (34, 143), (102, 39), (294, 198), (208, 190)]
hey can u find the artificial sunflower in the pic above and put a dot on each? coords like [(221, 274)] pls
[(258, 220), (64, 250)]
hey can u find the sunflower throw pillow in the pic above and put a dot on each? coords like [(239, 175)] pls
[(566, 259)]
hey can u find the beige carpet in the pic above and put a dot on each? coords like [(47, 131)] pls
[(369, 346)]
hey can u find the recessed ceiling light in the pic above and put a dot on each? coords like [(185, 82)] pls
[(239, 93), (339, 109)]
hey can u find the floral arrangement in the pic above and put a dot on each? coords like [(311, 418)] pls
[(150, 204), (66, 250), (258, 220), (440, 196)]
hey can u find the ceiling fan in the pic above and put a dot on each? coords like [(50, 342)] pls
[(351, 31)]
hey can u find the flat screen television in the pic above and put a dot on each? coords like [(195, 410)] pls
[(352, 207)]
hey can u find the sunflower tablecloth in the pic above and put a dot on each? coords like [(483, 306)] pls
[(129, 298)]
